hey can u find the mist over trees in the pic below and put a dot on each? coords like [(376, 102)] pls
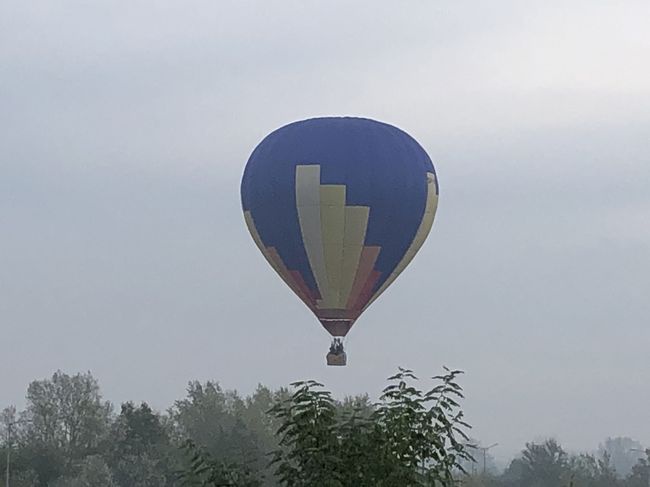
[(68, 435)]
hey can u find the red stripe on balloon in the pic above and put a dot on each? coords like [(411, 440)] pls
[(297, 277), (366, 292), (288, 277), (366, 263)]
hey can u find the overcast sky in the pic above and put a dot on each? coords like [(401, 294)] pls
[(124, 130)]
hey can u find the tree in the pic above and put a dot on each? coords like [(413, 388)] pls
[(215, 421), (541, 465), (93, 472), (67, 412), (65, 421), (139, 448), (204, 471), (139, 471), (411, 438), (424, 432), (8, 419), (308, 438), (256, 418), (589, 471), (359, 405), (624, 452), (25, 477), (640, 475)]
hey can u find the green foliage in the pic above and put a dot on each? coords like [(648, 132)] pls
[(65, 420), (308, 453), (214, 419), (640, 476), (424, 431), (227, 427), (411, 438), (544, 464), (67, 436), (139, 447), (93, 472), (588, 470), (66, 413), (204, 471), (623, 454)]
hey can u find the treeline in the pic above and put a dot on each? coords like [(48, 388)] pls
[(69, 436), (547, 464)]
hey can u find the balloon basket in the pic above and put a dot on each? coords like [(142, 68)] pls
[(337, 359), (336, 355)]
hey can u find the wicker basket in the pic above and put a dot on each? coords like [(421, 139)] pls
[(337, 359)]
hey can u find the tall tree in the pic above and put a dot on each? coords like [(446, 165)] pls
[(139, 449), (640, 475), (65, 420), (541, 465), (67, 412), (215, 420), (623, 452), (589, 471)]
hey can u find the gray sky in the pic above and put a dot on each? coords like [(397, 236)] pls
[(124, 129)]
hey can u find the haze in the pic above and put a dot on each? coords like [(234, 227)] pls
[(124, 130)]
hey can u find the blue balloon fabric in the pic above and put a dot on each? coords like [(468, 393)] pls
[(339, 207)]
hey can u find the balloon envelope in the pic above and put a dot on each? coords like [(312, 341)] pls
[(339, 207)]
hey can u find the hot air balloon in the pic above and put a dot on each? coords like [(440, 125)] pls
[(339, 206)]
